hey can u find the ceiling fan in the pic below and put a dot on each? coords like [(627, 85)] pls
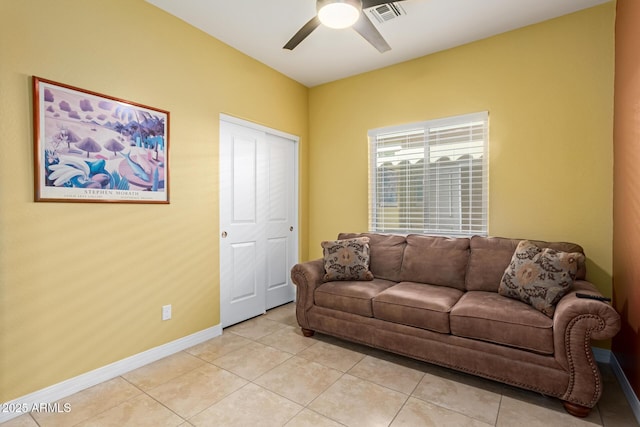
[(344, 14)]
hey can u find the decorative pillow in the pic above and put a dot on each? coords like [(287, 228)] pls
[(539, 276), (347, 259)]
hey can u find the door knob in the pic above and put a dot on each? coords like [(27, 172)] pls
[(224, 234)]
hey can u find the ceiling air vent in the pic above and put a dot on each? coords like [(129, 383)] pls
[(386, 12)]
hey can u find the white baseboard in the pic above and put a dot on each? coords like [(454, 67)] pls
[(73, 385), (601, 355), (607, 356), (633, 400)]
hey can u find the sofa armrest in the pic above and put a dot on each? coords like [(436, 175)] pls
[(575, 323), (307, 276)]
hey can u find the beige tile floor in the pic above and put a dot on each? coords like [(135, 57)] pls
[(263, 372)]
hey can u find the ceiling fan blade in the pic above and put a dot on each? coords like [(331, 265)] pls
[(302, 33), (366, 29), (366, 4)]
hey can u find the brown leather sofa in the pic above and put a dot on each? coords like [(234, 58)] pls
[(436, 299)]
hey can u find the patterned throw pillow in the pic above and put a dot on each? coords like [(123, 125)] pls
[(347, 259), (539, 276)]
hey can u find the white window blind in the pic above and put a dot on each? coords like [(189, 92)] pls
[(430, 177)]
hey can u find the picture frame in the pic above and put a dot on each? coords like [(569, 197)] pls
[(91, 147)]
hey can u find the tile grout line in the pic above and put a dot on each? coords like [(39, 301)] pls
[(303, 406), (159, 402), (142, 392), (250, 381), (499, 408)]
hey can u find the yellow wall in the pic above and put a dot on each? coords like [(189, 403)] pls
[(82, 285), (549, 92)]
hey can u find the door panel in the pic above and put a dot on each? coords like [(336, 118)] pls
[(278, 185), (277, 263), (242, 249), (243, 187), (244, 282), (279, 224)]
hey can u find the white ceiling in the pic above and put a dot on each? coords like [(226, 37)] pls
[(259, 28)]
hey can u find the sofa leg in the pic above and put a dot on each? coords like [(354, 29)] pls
[(307, 332), (576, 410)]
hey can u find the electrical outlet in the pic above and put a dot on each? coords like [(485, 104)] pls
[(166, 312)]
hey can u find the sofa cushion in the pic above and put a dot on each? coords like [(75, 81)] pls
[(350, 296), (417, 304), (435, 260), (346, 259), (490, 256), (386, 253), (539, 277), (491, 317)]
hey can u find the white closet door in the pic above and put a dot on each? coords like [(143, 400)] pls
[(257, 221), (280, 220)]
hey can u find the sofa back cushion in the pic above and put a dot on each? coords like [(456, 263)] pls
[(386, 253), (436, 260), (490, 256)]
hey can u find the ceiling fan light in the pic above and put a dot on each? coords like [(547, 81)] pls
[(339, 13)]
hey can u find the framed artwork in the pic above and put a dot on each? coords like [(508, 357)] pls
[(90, 147)]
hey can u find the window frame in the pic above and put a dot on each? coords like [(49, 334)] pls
[(428, 127)]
